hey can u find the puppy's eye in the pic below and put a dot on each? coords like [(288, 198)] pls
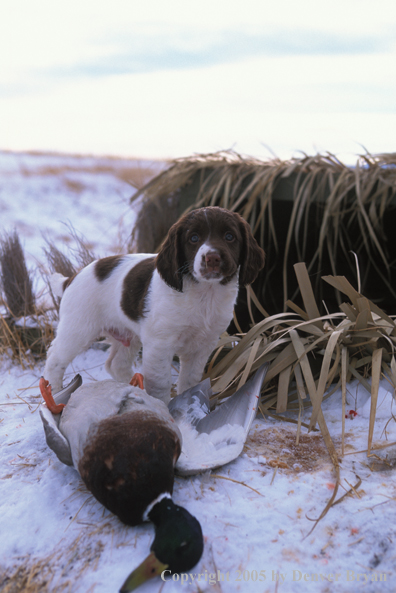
[(194, 238), (229, 237)]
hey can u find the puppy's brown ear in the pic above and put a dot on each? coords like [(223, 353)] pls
[(169, 260), (252, 256)]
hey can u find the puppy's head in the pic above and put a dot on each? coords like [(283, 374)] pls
[(211, 245)]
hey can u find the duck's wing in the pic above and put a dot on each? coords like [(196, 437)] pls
[(239, 409), (55, 439), (219, 437), (193, 404)]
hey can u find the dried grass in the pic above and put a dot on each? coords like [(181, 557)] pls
[(69, 264), (78, 257), (33, 577), (57, 260), (27, 329), (68, 561), (153, 223), (26, 339), (61, 569), (16, 283), (313, 209), (310, 357)]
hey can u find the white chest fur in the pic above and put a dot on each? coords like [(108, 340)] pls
[(203, 309), (187, 324)]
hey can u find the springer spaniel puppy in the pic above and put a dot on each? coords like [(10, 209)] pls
[(177, 302)]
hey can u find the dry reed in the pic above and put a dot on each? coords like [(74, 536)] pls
[(311, 357), (16, 283), (313, 209)]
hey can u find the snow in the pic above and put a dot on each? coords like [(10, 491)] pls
[(42, 196), (255, 516)]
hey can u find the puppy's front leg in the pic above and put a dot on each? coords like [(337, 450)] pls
[(192, 367), (157, 363)]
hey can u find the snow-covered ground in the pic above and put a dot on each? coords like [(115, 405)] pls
[(43, 196), (255, 516)]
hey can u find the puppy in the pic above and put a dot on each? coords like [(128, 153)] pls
[(176, 302)]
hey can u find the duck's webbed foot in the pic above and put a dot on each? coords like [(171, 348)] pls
[(46, 392), (137, 380)]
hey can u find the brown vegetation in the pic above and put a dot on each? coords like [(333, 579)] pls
[(311, 209)]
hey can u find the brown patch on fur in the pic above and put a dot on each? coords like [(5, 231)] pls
[(135, 288), (68, 281), (278, 446), (143, 449), (105, 266)]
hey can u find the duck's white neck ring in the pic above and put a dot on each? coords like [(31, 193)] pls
[(152, 504)]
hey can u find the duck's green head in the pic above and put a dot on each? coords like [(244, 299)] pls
[(177, 546)]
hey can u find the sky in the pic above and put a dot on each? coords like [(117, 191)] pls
[(161, 79)]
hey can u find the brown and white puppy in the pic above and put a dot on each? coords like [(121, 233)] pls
[(177, 302)]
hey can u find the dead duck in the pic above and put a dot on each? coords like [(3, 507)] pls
[(125, 444)]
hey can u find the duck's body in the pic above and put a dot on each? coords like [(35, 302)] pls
[(126, 456), (125, 445), (206, 439)]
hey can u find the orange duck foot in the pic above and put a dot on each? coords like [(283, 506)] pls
[(46, 392), (137, 380)]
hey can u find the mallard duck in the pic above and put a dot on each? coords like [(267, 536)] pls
[(125, 444)]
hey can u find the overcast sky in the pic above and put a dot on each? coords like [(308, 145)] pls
[(169, 78)]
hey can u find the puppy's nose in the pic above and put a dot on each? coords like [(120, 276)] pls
[(212, 261)]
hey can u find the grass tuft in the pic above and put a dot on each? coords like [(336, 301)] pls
[(16, 283)]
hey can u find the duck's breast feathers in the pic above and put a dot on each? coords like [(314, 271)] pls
[(94, 402), (128, 461)]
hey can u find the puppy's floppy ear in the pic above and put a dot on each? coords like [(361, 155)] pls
[(252, 256), (169, 259)]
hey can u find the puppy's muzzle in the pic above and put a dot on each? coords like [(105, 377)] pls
[(211, 264)]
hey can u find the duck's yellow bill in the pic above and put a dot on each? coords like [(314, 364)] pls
[(149, 568)]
